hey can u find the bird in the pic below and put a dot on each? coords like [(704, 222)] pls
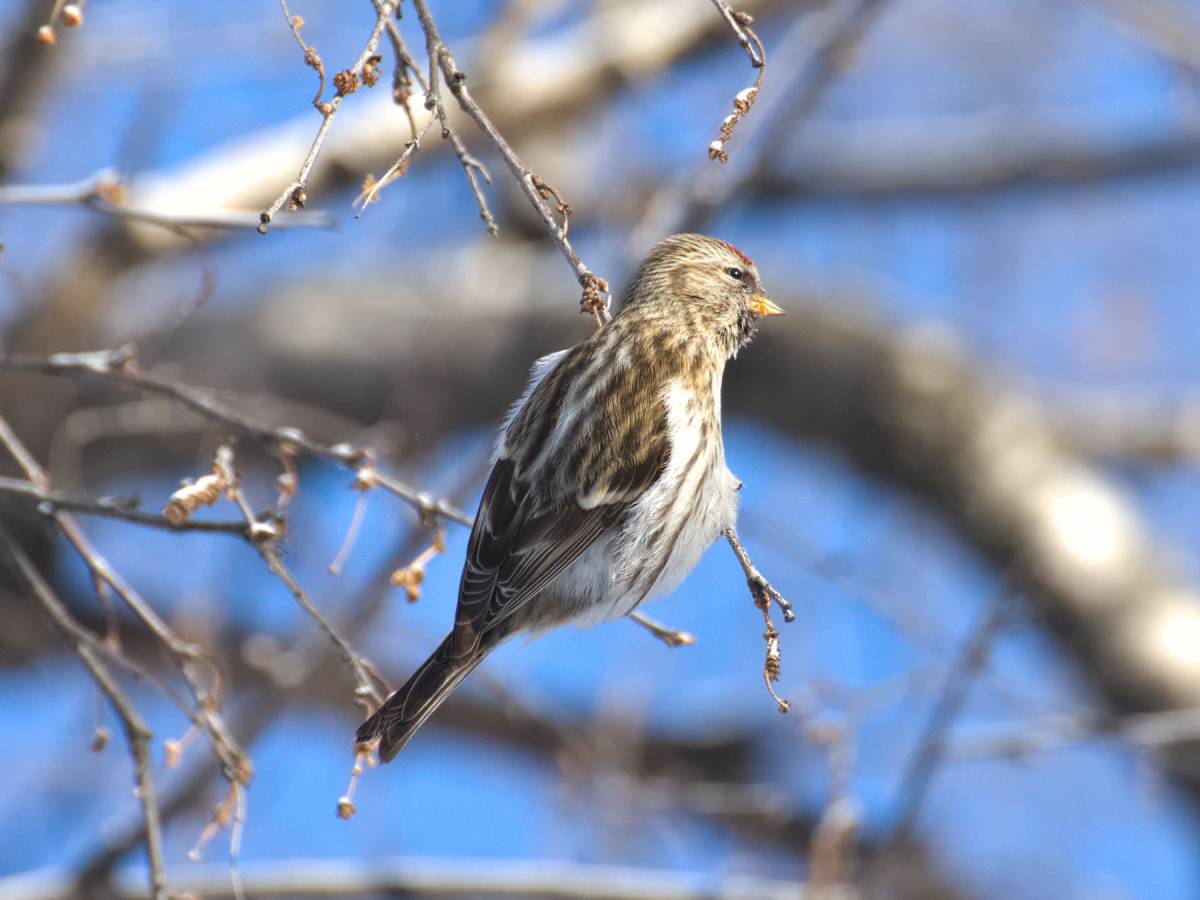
[(609, 478)]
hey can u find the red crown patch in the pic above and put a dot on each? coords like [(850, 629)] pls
[(739, 254)]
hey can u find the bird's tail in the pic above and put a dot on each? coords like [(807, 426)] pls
[(406, 710)]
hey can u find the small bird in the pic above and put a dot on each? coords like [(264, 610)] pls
[(609, 479)]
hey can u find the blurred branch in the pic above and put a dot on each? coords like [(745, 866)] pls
[(187, 658), (104, 193), (1024, 738), (1132, 429), (120, 367), (918, 774), (987, 151), (25, 70), (1154, 25), (137, 735), (463, 878), (124, 509)]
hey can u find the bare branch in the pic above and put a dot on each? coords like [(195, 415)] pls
[(918, 774), (137, 735), (764, 595), (265, 536), (595, 289), (119, 367), (123, 509), (295, 195), (749, 41), (105, 193), (186, 657), (740, 23), (446, 878)]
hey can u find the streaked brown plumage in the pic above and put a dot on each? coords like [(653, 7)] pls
[(610, 477)]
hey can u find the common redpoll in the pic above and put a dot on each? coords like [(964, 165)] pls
[(609, 479)]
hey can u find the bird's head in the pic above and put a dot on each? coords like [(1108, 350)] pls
[(705, 281)]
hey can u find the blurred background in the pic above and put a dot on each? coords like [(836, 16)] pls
[(969, 450)]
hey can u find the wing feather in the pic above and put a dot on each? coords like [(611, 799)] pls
[(526, 534)]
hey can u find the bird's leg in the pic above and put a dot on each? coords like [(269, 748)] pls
[(763, 591), (669, 636), (763, 594)]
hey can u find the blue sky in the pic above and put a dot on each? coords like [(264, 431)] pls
[(1058, 288)]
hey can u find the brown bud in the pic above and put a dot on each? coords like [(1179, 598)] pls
[(46, 35), (72, 15), (370, 73), (99, 739), (346, 81)]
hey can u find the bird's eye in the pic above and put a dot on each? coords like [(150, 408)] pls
[(735, 273)]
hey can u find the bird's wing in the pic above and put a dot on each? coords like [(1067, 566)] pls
[(534, 523)]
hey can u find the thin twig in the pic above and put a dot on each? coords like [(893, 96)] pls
[(119, 367), (764, 594), (918, 775), (372, 187), (594, 299), (738, 22), (743, 102), (105, 193), (295, 195), (266, 543), (472, 167), (124, 509), (185, 656), (137, 735)]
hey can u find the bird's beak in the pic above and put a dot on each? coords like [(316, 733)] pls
[(761, 304)]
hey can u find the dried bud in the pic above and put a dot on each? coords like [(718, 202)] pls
[(346, 81), (286, 482), (410, 578), (345, 808), (262, 530), (191, 496), (370, 73), (46, 35), (110, 190), (173, 751), (745, 99), (99, 739), (72, 15), (297, 200)]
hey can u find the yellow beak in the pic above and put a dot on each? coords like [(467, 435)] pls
[(762, 305)]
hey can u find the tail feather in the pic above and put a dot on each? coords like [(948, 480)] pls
[(406, 710)]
